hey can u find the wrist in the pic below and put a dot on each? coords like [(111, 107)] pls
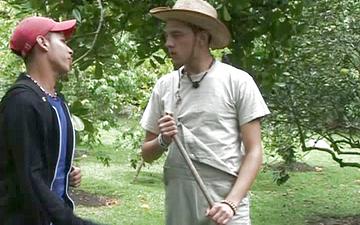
[(162, 143), (231, 204)]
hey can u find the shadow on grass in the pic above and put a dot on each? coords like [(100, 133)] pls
[(145, 178), (294, 167), (334, 220)]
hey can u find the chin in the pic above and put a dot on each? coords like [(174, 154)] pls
[(63, 76), (177, 64), (65, 71)]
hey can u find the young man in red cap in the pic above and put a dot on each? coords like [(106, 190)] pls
[(36, 134), (214, 109)]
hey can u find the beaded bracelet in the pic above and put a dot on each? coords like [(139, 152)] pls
[(162, 143), (231, 204)]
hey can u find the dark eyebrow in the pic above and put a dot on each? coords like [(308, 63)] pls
[(174, 32)]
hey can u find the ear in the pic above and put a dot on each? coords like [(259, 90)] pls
[(204, 37), (42, 42)]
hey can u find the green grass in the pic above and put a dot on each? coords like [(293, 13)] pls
[(334, 191), (137, 203)]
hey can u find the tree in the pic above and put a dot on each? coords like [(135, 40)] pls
[(316, 97), (9, 63)]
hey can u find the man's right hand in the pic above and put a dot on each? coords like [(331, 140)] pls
[(167, 127)]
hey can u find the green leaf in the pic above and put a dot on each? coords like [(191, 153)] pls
[(280, 84), (227, 16), (98, 70), (76, 13), (36, 3), (153, 64), (77, 123), (159, 59)]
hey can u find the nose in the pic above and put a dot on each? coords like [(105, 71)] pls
[(169, 42), (70, 51)]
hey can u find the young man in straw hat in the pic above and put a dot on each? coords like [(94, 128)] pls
[(214, 109), (36, 134)]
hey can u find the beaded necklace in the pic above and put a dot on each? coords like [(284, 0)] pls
[(43, 89)]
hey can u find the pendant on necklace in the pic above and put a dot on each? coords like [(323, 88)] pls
[(195, 84)]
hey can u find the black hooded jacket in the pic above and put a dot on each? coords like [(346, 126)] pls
[(29, 152)]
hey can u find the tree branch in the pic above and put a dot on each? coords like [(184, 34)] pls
[(333, 152), (96, 33), (334, 157)]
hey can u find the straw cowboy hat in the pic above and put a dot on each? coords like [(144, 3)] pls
[(199, 13)]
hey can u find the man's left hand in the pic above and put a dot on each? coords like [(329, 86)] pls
[(75, 177)]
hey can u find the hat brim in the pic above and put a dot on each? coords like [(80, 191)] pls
[(67, 27), (220, 35)]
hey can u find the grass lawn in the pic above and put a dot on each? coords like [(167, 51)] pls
[(334, 191)]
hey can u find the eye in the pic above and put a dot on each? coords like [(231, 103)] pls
[(177, 34)]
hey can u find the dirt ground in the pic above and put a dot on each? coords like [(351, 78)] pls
[(87, 199)]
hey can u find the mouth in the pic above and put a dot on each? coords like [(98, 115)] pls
[(172, 53)]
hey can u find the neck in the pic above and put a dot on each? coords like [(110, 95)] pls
[(44, 76), (199, 65)]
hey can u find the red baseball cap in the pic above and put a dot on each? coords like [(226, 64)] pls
[(24, 36)]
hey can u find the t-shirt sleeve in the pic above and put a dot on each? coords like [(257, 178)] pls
[(152, 112), (249, 101)]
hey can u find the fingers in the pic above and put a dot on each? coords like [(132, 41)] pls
[(167, 127), (75, 177), (220, 213)]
